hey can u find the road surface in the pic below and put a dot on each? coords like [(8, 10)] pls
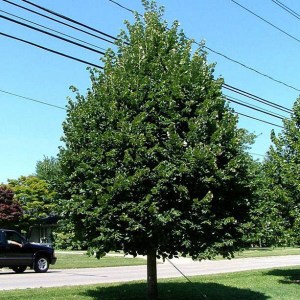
[(69, 277)]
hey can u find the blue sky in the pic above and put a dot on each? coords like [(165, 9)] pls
[(29, 131)]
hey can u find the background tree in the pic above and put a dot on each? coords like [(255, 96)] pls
[(10, 210), (265, 228), (48, 169), (280, 198), (35, 198), (153, 161)]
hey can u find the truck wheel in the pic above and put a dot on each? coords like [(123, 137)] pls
[(19, 269), (41, 264)]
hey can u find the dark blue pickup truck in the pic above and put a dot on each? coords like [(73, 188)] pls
[(17, 253)]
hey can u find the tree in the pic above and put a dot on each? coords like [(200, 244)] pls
[(48, 169), (10, 210), (265, 228), (280, 208), (35, 197), (153, 161)]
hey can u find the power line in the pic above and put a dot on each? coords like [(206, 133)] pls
[(287, 9), (33, 100), (257, 119), (97, 66), (250, 68), (256, 108), (257, 154), (122, 6), (71, 57), (51, 50), (227, 57), (264, 20), (91, 64), (69, 19), (56, 106), (132, 11), (51, 34), (58, 21), (256, 98), (15, 16)]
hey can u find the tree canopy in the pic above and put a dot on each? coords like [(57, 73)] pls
[(48, 169), (35, 198), (10, 209), (280, 200), (153, 161)]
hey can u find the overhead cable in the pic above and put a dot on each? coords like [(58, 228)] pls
[(122, 6), (130, 10), (50, 50), (72, 37), (257, 119), (51, 34), (94, 65), (33, 100), (286, 8), (264, 20), (245, 104), (68, 19), (256, 98), (236, 90), (227, 57), (58, 21)]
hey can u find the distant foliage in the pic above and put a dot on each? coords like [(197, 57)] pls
[(35, 197), (10, 210), (277, 213), (48, 169)]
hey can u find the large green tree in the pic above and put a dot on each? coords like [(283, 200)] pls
[(280, 200), (153, 161)]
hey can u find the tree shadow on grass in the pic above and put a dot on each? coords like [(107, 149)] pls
[(173, 291), (289, 276)]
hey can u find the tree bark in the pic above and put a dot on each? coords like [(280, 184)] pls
[(152, 275)]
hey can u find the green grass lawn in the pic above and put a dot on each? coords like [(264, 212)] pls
[(259, 252), (73, 259), (70, 260), (281, 284)]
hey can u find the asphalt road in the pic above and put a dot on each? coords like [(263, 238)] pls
[(70, 277)]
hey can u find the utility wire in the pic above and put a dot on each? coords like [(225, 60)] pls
[(231, 88), (34, 100), (264, 20), (91, 64), (58, 21), (15, 16), (69, 19), (122, 6), (227, 57), (257, 119), (286, 8), (257, 154), (130, 10), (51, 34), (256, 98), (71, 57), (50, 50), (239, 102), (250, 68)]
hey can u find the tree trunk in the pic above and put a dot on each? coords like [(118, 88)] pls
[(152, 275)]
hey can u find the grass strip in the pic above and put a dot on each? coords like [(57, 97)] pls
[(279, 283), (82, 260)]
